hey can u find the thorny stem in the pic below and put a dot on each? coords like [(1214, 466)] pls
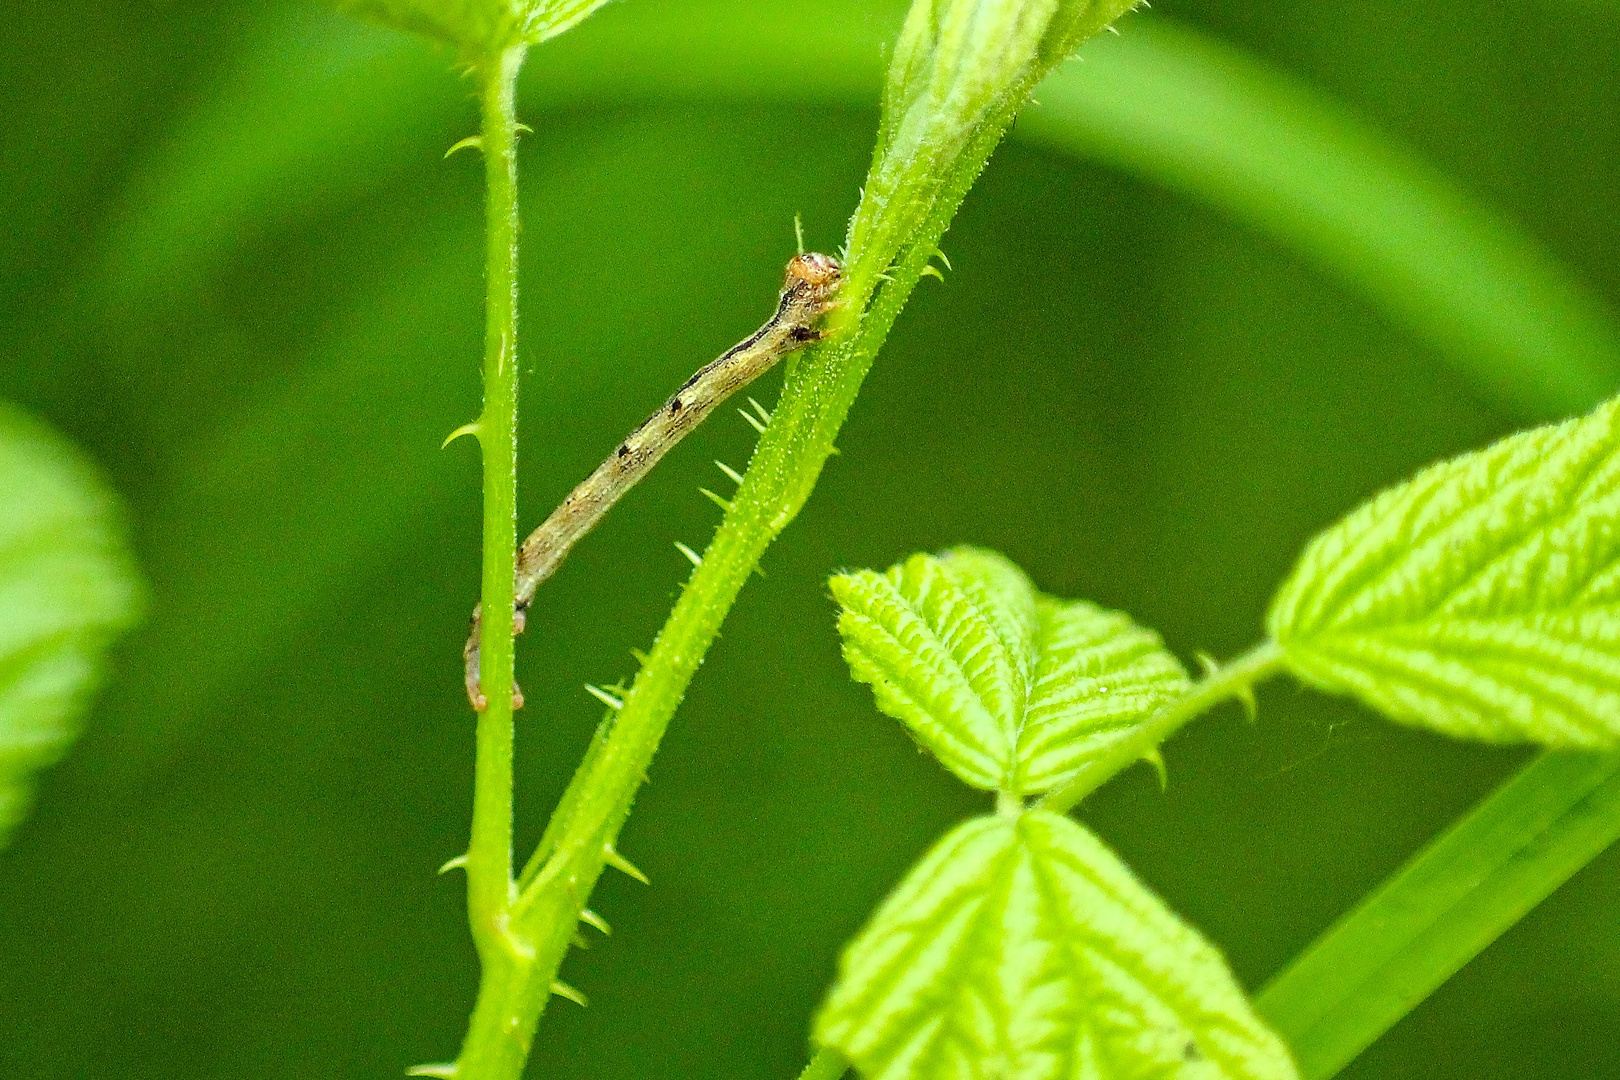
[(498, 1038), (817, 394), (883, 268), (1232, 680), (579, 842)]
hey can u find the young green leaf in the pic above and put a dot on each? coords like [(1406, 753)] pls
[(961, 68), (1023, 949), (1481, 598), (480, 28), (547, 20), (67, 584), (1011, 690), (1097, 676)]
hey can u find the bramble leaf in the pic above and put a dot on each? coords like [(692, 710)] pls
[(547, 20), (1481, 598), (961, 69), (1023, 949), (67, 585), (1011, 690), (478, 27), (1098, 675)]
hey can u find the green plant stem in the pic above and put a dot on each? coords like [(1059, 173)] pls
[(789, 457), (494, 1042), (579, 843), (826, 1065), (1446, 905), (818, 390), (1232, 680)]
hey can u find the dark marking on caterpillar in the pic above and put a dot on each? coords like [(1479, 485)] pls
[(809, 291)]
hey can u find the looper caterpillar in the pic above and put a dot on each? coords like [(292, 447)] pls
[(807, 294)]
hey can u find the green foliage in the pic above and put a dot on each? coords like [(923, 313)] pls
[(1020, 948), (1193, 401), (480, 28), (67, 586), (1011, 690), (960, 74), (961, 69), (1481, 598)]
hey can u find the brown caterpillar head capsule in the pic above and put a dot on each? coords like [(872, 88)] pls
[(812, 279)]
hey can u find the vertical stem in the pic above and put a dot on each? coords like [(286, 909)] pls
[(489, 855), (503, 1019)]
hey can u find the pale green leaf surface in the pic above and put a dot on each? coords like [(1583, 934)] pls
[(1097, 675), (477, 26), (1023, 949), (1481, 598), (947, 646), (67, 584), (559, 16), (1012, 691)]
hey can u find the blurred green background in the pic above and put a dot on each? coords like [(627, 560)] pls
[(238, 273)]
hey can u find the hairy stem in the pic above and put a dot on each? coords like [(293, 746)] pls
[(912, 195), (579, 844), (1233, 680), (496, 1046), (816, 397)]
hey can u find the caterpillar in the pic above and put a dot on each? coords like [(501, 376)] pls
[(809, 291)]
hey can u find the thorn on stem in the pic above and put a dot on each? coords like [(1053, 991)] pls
[(724, 504), (604, 697), (471, 142), (563, 990), (611, 856), (446, 1069), (471, 428), (457, 863), (1245, 695), (753, 421), (1156, 759), (692, 556), (592, 919), (735, 476)]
